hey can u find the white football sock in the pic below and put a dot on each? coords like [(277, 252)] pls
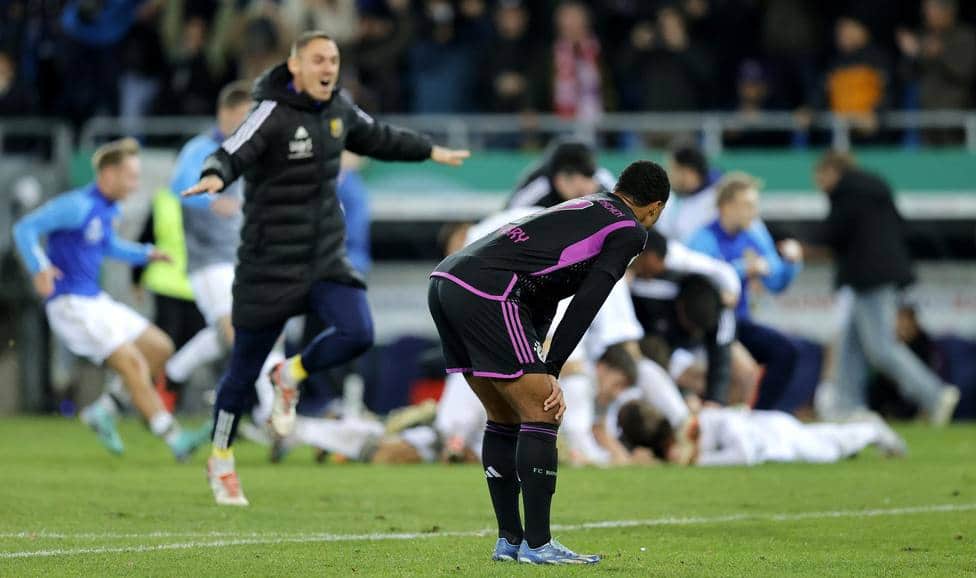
[(205, 347)]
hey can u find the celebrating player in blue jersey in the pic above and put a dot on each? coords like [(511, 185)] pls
[(78, 227)]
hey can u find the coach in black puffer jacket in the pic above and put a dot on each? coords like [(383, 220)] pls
[(292, 257), (294, 231)]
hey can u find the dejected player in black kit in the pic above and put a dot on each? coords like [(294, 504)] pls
[(493, 302)]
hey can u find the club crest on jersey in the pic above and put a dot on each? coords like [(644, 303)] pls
[(538, 351), (94, 232), (300, 146), (335, 127)]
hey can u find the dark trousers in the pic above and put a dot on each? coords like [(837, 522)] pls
[(348, 333), (776, 352)]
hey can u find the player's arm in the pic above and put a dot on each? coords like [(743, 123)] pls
[(238, 152), (128, 251), (781, 272), (690, 259), (370, 137), (618, 250), (63, 212)]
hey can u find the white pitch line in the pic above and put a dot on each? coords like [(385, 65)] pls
[(272, 539)]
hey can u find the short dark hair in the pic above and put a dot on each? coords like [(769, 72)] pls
[(306, 38), (234, 94), (643, 426), (113, 153), (644, 183), (701, 302), (691, 157), (657, 243), (617, 357), (573, 158)]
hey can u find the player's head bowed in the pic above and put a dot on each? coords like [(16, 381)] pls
[(644, 185)]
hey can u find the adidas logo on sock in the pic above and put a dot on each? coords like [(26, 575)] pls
[(491, 472)]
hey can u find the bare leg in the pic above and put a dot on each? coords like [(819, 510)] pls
[(156, 347), (133, 368)]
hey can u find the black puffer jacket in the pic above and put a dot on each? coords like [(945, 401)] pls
[(867, 233), (294, 233)]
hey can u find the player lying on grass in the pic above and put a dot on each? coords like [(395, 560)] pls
[(730, 436), (79, 230), (493, 303)]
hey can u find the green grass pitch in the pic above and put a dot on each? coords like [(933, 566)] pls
[(69, 508)]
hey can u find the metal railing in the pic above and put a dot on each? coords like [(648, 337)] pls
[(478, 130), (58, 133)]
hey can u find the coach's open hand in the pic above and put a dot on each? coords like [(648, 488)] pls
[(448, 156), (208, 184), (555, 399)]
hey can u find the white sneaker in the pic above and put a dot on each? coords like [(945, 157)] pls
[(224, 482), (945, 407), (285, 400)]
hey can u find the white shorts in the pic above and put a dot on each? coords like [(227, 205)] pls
[(212, 287), (93, 327)]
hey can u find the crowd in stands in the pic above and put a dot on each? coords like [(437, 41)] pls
[(78, 58)]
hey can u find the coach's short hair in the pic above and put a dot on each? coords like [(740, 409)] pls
[(734, 183), (234, 94), (306, 38), (113, 153), (644, 182)]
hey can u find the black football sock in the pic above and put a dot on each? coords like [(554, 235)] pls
[(537, 459), (498, 458)]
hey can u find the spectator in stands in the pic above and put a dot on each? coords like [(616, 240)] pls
[(753, 98), (576, 70), (378, 56), (443, 74), (509, 66), (337, 18), (675, 71), (92, 32), (866, 234), (857, 82), (693, 204), (942, 60), (192, 86), (15, 97), (741, 239), (143, 65), (792, 33)]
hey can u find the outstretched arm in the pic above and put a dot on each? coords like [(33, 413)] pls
[(370, 137), (238, 152), (64, 212)]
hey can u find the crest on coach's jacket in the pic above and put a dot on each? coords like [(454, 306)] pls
[(300, 146), (335, 127)]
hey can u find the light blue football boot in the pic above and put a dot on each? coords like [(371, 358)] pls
[(188, 441), (505, 551), (101, 421), (553, 552)]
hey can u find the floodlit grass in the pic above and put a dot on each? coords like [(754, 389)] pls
[(69, 508)]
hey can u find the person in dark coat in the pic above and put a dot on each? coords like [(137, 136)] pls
[(292, 258), (866, 234)]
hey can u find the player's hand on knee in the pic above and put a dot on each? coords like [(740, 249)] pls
[(208, 184), (555, 399)]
